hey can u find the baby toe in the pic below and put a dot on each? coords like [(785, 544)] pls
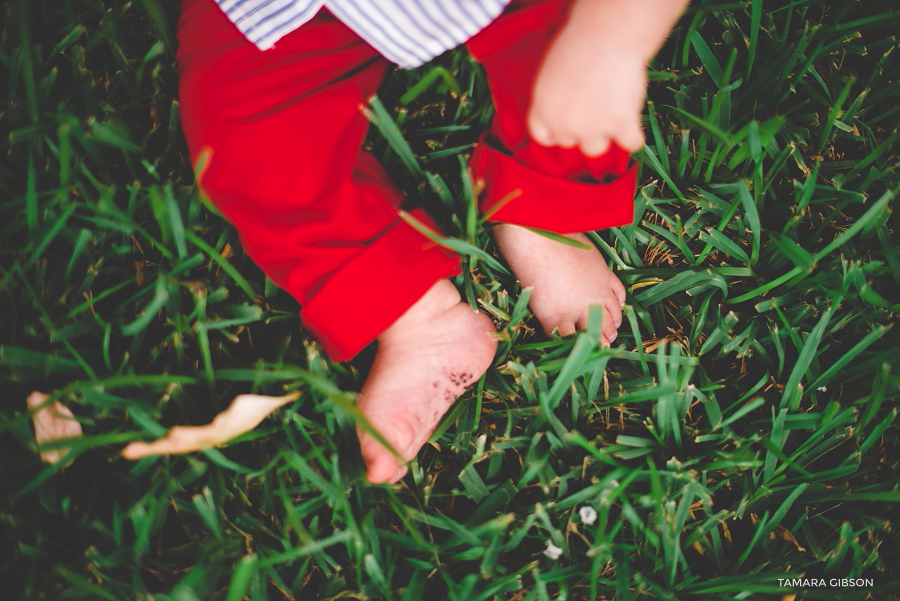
[(383, 470), (565, 328), (618, 290), (555, 320), (381, 465), (609, 326), (614, 310)]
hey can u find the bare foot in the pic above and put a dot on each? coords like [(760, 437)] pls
[(425, 360), (565, 279)]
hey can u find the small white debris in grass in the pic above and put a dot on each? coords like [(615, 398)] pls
[(822, 389), (588, 515), (552, 551)]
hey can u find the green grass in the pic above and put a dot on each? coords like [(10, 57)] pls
[(741, 430)]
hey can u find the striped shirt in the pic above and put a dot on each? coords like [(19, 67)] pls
[(407, 32)]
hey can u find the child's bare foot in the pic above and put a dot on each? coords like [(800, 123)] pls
[(565, 280), (425, 360)]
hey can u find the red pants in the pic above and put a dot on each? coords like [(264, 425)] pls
[(278, 137)]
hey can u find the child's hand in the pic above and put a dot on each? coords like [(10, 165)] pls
[(588, 94)]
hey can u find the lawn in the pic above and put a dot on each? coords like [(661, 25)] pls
[(739, 441)]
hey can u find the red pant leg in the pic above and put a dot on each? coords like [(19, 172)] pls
[(527, 184), (279, 135)]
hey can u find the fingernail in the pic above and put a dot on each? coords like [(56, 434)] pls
[(618, 323)]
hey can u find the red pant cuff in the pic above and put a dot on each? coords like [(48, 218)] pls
[(516, 194), (368, 294)]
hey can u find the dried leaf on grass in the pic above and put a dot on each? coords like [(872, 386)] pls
[(52, 422), (244, 413)]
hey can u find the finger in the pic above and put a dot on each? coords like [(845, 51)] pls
[(539, 133), (595, 147), (631, 140)]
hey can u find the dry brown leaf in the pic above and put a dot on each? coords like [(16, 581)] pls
[(52, 422), (244, 413), (785, 534)]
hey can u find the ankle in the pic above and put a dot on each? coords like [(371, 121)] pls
[(504, 231), (440, 298)]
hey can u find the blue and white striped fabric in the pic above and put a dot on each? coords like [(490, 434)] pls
[(407, 32)]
